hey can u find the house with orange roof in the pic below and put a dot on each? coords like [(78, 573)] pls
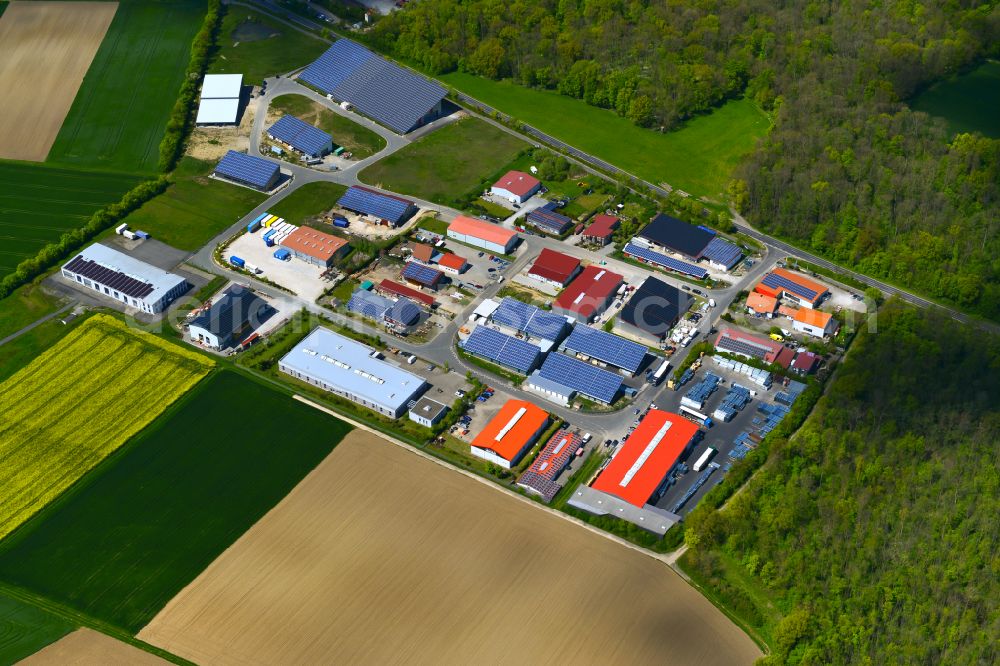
[(784, 284), (762, 304), (509, 434), (814, 322), (451, 263)]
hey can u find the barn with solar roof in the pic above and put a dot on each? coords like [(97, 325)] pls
[(386, 209), (247, 170), (393, 96), (118, 276)]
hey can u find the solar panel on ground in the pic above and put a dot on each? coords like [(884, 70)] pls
[(421, 274), (111, 279), (368, 202), (776, 281), (395, 97), (248, 169), (606, 347), (722, 252), (502, 349), (582, 377), (529, 319), (300, 135), (663, 260)]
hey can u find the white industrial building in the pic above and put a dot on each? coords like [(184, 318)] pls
[(427, 412), (220, 99), (123, 278), (483, 234), (352, 370)]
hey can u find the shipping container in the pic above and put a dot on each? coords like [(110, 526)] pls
[(282, 254), (341, 222), (120, 228), (253, 226), (703, 459), (128, 234), (251, 267), (236, 261), (142, 234)]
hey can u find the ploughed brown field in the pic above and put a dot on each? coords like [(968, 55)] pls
[(45, 50), (85, 647), (380, 556)]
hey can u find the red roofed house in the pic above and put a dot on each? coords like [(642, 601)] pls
[(762, 304), (397, 289), (480, 233), (785, 357), (737, 342), (509, 434), (315, 247), (540, 477), (451, 263), (639, 471), (516, 187), (589, 294), (554, 268), (805, 363), (601, 229), (815, 323), (421, 252)]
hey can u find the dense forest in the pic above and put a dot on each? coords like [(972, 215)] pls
[(848, 170), (874, 529)]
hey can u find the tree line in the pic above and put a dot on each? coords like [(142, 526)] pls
[(848, 171), (873, 530)]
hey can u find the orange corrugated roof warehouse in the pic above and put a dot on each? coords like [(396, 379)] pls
[(453, 261), (813, 317), (482, 229), (513, 428), (800, 286)]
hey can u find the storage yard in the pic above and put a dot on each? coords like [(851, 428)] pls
[(45, 51), (365, 599)]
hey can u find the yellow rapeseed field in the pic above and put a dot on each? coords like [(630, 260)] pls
[(78, 402)]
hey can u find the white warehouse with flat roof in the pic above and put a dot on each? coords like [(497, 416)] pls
[(123, 278), (349, 369), (220, 99)]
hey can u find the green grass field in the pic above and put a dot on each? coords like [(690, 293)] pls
[(257, 46), (698, 158), (25, 629), (120, 112), (77, 403), (148, 521), (23, 306), (310, 199), (447, 163), (195, 208), (39, 203), (360, 141)]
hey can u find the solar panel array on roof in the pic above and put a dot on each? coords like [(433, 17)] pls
[(301, 135), (678, 235), (549, 220), (109, 278), (403, 311), (528, 319), (368, 304), (369, 202), (582, 377), (422, 274), (503, 349), (741, 347), (248, 169), (551, 460), (722, 252), (395, 97), (663, 260), (606, 347), (655, 307), (776, 281)]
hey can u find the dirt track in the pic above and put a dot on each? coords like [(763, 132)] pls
[(382, 557), (45, 51), (85, 647)]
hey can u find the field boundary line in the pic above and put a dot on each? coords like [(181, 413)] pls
[(664, 558)]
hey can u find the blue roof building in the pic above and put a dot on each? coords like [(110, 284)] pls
[(301, 136), (398, 98), (388, 208), (255, 172)]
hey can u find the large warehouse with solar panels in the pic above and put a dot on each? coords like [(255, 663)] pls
[(389, 209), (591, 344), (665, 232), (117, 275), (350, 369), (534, 322), (502, 349), (653, 310), (385, 92), (300, 136), (561, 377), (243, 169)]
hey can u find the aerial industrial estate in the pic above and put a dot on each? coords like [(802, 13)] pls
[(327, 336)]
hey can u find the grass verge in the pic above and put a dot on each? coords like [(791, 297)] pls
[(308, 201)]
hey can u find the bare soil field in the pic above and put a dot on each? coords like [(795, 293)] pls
[(45, 51), (380, 556), (86, 647)]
